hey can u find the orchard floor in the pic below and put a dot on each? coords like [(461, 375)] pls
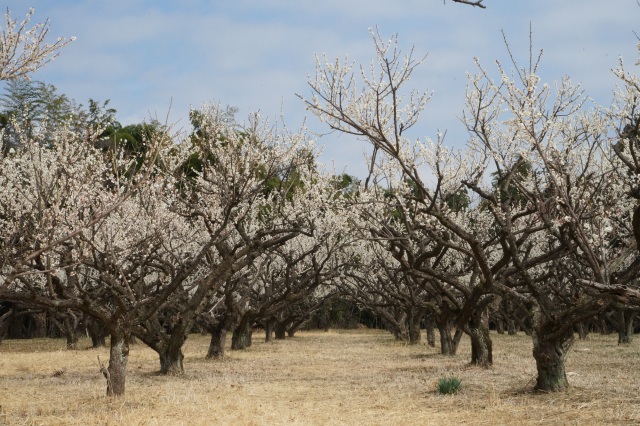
[(358, 377)]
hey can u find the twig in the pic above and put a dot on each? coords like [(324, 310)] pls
[(105, 373), (477, 3)]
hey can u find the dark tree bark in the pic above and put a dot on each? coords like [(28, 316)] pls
[(431, 334), (550, 352), (448, 342), (414, 321), (241, 337), (280, 331), (481, 344), (296, 325), (67, 322), (481, 347), (4, 323), (625, 325), (39, 325), (583, 330), (218, 341), (171, 356), (552, 334), (166, 335), (116, 373), (70, 323), (268, 329), (97, 332)]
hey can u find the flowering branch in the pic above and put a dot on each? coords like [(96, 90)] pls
[(23, 50)]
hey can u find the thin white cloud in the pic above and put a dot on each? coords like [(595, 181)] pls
[(144, 55)]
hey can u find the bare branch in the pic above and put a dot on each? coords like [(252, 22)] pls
[(622, 293), (477, 3)]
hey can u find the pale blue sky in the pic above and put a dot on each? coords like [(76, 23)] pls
[(144, 55)]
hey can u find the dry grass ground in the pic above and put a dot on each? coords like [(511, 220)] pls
[(336, 378)]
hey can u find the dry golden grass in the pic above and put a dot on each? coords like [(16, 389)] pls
[(336, 378)]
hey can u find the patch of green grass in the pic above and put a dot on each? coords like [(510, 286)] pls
[(449, 385)]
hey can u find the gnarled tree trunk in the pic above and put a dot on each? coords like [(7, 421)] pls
[(481, 347), (171, 356), (550, 352), (218, 340), (481, 344), (67, 323), (116, 373), (448, 342), (70, 324)]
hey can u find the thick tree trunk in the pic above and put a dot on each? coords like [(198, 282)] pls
[(431, 334), (98, 341), (167, 340), (399, 326), (280, 331), (625, 325), (550, 354), (70, 323), (241, 338), (448, 343), (67, 323), (268, 330), (118, 356), (481, 345), (325, 319), (499, 326), (415, 337), (97, 332), (39, 325), (217, 344), (171, 356), (512, 330)]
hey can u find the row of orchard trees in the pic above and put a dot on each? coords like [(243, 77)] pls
[(538, 212), (227, 229), (145, 234), (236, 226)]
